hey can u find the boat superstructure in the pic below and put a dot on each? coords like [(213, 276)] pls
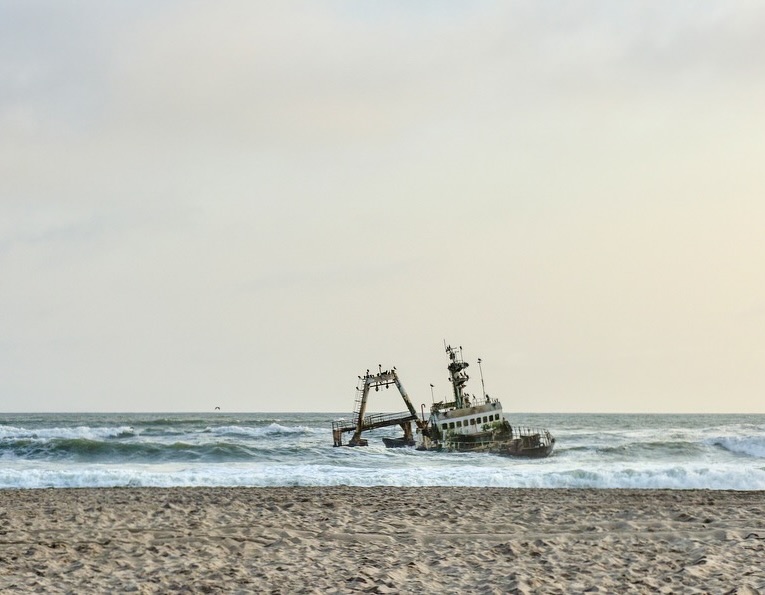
[(470, 423), (466, 423)]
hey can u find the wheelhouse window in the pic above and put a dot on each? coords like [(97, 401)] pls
[(472, 421)]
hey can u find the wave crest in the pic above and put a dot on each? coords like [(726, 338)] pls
[(752, 446), (63, 433), (273, 429)]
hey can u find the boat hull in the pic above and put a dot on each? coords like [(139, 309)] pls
[(398, 442), (537, 452), (530, 446)]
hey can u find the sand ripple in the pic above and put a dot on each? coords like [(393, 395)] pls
[(381, 540)]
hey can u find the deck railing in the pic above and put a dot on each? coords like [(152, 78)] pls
[(370, 422), (544, 437)]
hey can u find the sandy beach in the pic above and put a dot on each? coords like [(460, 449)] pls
[(381, 540)]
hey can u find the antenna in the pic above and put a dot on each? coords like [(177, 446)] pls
[(483, 387)]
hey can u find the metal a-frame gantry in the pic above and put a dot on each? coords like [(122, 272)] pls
[(362, 422)]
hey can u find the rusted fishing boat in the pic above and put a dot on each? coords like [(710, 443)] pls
[(466, 423)]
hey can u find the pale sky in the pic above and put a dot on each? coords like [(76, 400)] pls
[(247, 204)]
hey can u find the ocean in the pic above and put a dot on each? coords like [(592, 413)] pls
[(720, 452)]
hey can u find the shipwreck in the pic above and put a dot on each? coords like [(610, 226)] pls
[(466, 423)]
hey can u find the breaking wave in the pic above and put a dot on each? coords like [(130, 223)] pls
[(79, 432), (273, 429), (743, 445), (268, 475), (84, 450)]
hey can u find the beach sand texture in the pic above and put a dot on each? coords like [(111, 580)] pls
[(381, 540)]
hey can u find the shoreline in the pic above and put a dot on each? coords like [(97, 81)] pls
[(344, 539)]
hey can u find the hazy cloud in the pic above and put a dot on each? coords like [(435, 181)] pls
[(249, 203)]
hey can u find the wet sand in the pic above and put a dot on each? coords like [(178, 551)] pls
[(381, 540)]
